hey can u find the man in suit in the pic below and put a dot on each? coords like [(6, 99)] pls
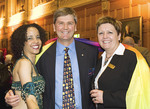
[(83, 61), (134, 43)]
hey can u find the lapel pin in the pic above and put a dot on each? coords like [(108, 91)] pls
[(82, 54), (111, 66)]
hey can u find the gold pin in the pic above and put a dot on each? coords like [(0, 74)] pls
[(111, 66)]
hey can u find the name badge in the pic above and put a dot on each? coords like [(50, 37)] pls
[(111, 66)]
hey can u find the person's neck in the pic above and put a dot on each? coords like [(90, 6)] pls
[(31, 57), (65, 42), (108, 55)]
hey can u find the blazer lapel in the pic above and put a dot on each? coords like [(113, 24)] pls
[(113, 63), (81, 57), (50, 68), (110, 66)]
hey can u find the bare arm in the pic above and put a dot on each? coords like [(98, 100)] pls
[(24, 73)]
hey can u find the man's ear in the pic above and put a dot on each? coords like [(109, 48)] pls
[(75, 27), (54, 27)]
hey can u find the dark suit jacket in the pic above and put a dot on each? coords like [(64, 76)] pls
[(115, 82), (87, 58)]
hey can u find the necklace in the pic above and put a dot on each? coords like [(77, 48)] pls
[(106, 60)]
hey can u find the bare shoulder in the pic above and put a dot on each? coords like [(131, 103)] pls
[(24, 62), (21, 69), (24, 65), (24, 71)]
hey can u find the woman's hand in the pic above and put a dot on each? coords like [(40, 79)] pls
[(97, 96)]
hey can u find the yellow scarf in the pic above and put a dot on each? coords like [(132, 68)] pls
[(138, 94)]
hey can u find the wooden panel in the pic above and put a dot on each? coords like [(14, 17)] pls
[(134, 11), (93, 10), (145, 26), (82, 24), (47, 28), (88, 23), (118, 4), (93, 33), (49, 19), (119, 14), (93, 22), (148, 34), (88, 34), (80, 13), (112, 13), (137, 2), (98, 16), (83, 34), (78, 24), (144, 11), (126, 12)]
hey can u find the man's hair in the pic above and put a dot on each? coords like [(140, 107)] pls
[(117, 24), (129, 41), (64, 12)]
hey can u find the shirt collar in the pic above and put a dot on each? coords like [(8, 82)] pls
[(119, 51), (60, 47)]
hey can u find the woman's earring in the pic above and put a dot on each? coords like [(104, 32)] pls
[(22, 53)]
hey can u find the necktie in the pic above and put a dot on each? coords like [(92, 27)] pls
[(68, 88)]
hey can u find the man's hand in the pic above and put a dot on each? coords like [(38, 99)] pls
[(11, 99)]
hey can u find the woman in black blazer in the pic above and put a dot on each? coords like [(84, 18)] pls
[(114, 69)]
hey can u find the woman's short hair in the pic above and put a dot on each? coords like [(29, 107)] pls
[(64, 12), (117, 24), (19, 37)]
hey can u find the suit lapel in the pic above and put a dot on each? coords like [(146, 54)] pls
[(82, 57), (110, 66), (98, 67), (114, 61), (50, 65), (81, 51)]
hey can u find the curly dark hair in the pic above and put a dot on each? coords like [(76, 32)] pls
[(19, 37)]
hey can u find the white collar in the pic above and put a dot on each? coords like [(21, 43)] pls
[(119, 51)]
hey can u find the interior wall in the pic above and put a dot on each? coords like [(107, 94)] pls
[(89, 13), (120, 9)]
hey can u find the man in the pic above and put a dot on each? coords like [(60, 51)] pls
[(129, 41), (144, 51), (50, 64)]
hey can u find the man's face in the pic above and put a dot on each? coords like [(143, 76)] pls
[(65, 27)]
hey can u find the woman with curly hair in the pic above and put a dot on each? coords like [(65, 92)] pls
[(26, 43)]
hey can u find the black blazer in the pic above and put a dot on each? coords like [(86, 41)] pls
[(115, 80), (87, 58)]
